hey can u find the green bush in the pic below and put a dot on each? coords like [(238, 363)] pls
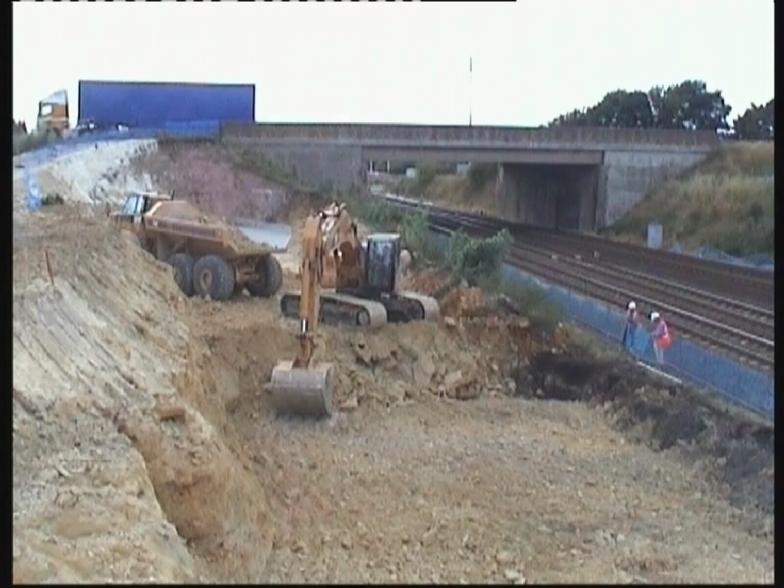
[(376, 213), (380, 215), (415, 234), (477, 259), (543, 314)]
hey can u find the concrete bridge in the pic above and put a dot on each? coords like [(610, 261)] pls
[(572, 177)]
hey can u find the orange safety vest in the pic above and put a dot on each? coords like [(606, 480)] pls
[(665, 340)]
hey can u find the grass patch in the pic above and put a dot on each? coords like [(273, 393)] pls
[(726, 202)]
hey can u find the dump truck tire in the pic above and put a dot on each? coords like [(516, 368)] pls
[(271, 278), (213, 277), (183, 271)]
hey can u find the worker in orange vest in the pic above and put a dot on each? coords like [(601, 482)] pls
[(660, 336)]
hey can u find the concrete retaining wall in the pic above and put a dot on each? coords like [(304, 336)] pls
[(320, 167)]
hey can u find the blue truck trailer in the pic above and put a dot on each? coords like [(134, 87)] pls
[(158, 104)]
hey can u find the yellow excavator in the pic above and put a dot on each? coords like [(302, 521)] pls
[(345, 283)]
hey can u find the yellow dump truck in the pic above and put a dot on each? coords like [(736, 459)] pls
[(209, 257)]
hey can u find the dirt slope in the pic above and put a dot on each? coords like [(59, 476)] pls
[(116, 461)]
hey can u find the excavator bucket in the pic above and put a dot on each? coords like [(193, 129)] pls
[(303, 392)]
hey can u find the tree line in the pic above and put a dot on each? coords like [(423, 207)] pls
[(688, 105)]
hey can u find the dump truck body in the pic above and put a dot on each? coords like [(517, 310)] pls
[(210, 257)]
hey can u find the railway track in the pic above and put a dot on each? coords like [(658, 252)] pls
[(750, 285), (730, 324)]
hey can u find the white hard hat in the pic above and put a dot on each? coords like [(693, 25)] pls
[(632, 305), (654, 315)]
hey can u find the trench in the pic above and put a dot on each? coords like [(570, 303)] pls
[(664, 416)]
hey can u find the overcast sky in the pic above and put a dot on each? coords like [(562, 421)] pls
[(400, 62)]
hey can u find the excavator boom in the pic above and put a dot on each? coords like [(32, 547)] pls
[(296, 388)]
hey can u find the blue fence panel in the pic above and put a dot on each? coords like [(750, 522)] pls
[(736, 382)]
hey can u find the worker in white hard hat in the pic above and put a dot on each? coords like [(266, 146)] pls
[(660, 336), (630, 327)]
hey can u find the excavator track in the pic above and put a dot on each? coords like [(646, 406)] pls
[(339, 309), (430, 308), (342, 308)]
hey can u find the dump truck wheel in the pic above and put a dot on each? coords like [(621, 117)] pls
[(183, 271), (271, 278), (213, 277)]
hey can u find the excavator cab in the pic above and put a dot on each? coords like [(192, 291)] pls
[(381, 258)]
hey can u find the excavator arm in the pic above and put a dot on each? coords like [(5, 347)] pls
[(297, 388), (311, 270)]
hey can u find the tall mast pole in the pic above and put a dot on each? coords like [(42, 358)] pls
[(470, 88)]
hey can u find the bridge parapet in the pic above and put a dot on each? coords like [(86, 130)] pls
[(485, 135)]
